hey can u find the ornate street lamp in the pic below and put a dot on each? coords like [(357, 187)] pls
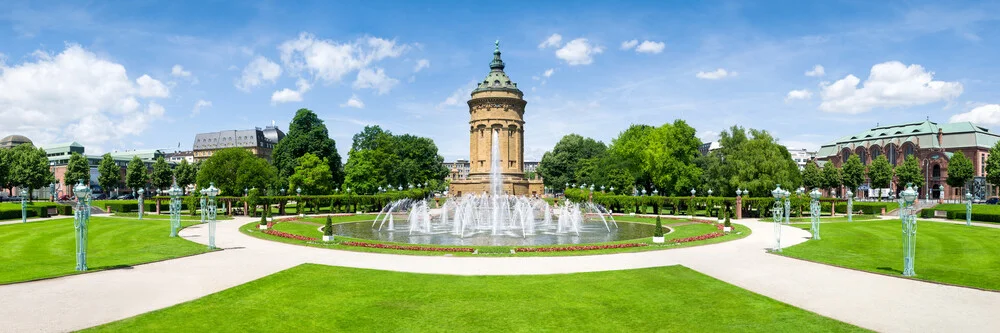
[(24, 205), (643, 191), (968, 208), (788, 204), (175, 208), (298, 191), (776, 213), (850, 206), (692, 192), (709, 192), (400, 188), (142, 207), (909, 230), (612, 190), (656, 192), (739, 193), (211, 192), (602, 188), (282, 190), (52, 191), (814, 212), (204, 213), (80, 219)]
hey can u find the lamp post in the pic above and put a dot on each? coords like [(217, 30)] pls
[(141, 205), (777, 214), (692, 192), (52, 192), (788, 204), (909, 230), (202, 202), (968, 208), (24, 205), (298, 202), (612, 190), (80, 220), (814, 212), (175, 208), (643, 191), (850, 206), (211, 192)]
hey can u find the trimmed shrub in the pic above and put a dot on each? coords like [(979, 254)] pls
[(727, 223), (263, 219), (657, 232), (328, 228)]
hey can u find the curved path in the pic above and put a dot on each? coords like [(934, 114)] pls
[(868, 300)]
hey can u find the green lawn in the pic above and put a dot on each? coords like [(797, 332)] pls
[(948, 253), (17, 205), (45, 249), (838, 218), (316, 298), (976, 208), (166, 216)]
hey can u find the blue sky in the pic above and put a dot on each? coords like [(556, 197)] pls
[(117, 76)]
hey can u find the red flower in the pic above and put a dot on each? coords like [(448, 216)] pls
[(273, 232), (578, 247)]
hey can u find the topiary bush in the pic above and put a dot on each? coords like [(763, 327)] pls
[(727, 223), (657, 232), (263, 219), (328, 228)]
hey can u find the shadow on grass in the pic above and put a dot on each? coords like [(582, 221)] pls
[(112, 267), (889, 269)]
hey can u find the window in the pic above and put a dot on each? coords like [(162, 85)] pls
[(909, 151), (891, 153), (876, 152), (845, 155), (936, 171), (863, 155)]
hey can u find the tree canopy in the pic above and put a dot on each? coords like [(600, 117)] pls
[(77, 169), (185, 174), (812, 177), (379, 158), (880, 173), (853, 172), (960, 170), (29, 167), (993, 166), (136, 175), (909, 173), (562, 164), (109, 174), (832, 176), (162, 176), (306, 134), (5, 166), (312, 175), (235, 169), (752, 160)]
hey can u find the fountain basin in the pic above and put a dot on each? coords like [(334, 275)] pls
[(591, 232)]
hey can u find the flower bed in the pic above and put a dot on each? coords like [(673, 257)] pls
[(698, 238), (408, 247), (578, 247), (273, 232)]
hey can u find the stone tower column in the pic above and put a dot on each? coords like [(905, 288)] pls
[(497, 105)]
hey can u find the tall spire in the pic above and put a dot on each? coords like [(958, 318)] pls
[(497, 63)]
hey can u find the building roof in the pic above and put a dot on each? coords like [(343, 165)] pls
[(497, 79), (231, 138), (955, 135), (65, 146), (13, 140), (273, 134)]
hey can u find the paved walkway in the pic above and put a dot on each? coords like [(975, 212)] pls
[(872, 301)]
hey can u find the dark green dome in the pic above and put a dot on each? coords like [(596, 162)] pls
[(497, 79)]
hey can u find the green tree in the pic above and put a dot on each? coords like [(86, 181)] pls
[(561, 165), (419, 161), (185, 174), (812, 176), (136, 175), (77, 169), (162, 176), (110, 174), (853, 172), (5, 166), (752, 160), (880, 173), (306, 134), (312, 175), (960, 170), (832, 176), (993, 165), (364, 170), (909, 173), (235, 169), (29, 167), (379, 158)]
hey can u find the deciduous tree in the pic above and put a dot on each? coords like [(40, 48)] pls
[(312, 175), (909, 173), (880, 173), (29, 167), (109, 174), (993, 166), (306, 134), (136, 174), (853, 172), (832, 176), (960, 170), (562, 164), (811, 176), (185, 174), (235, 169), (77, 169), (162, 176), (752, 160)]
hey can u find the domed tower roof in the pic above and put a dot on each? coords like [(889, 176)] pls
[(497, 79), (13, 140)]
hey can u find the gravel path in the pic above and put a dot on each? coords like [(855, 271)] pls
[(872, 301)]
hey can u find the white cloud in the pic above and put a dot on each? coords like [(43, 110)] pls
[(890, 84), (578, 52), (650, 47), (74, 95), (458, 97), (353, 102), (548, 72), (421, 64), (984, 115), (287, 95), (330, 60), (629, 44), (258, 71), (199, 105), (792, 144), (553, 41), (179, 71), (715, 75), (374, 79), (708, 136), (150, 87), (798, 95), (817, 70)]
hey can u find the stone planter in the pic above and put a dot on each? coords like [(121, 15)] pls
[(658, 240), (327, 238), (727, 229), (262, 226)]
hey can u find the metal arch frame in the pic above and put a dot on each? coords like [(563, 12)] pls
[(814, 212), (788, 208), (175, 214), (850, 208), (202, 203), (909, 224), (81, 219), (211, 221), (24, 206), (968, 209)]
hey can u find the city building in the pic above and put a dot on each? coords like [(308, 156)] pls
[(496, 110), (59, 155), (178, 156), (932, 144), (13, 140), (260, 142), (458, 170), (531, 167), (708, 147), (801, 156)]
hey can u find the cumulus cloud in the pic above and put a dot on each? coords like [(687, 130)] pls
[(553, 41), (421, 64), (719, 73), (458, 97), (798, 95), (548, 72), (890, 84), (179, 71), (199, 105), (74, 95), (287, 95), (329, 60), (353, 102), (150, 87), (984, 115), (578, 52), (257, 72), (629, 44), (374, 79), (817, 71), (650, 47)]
